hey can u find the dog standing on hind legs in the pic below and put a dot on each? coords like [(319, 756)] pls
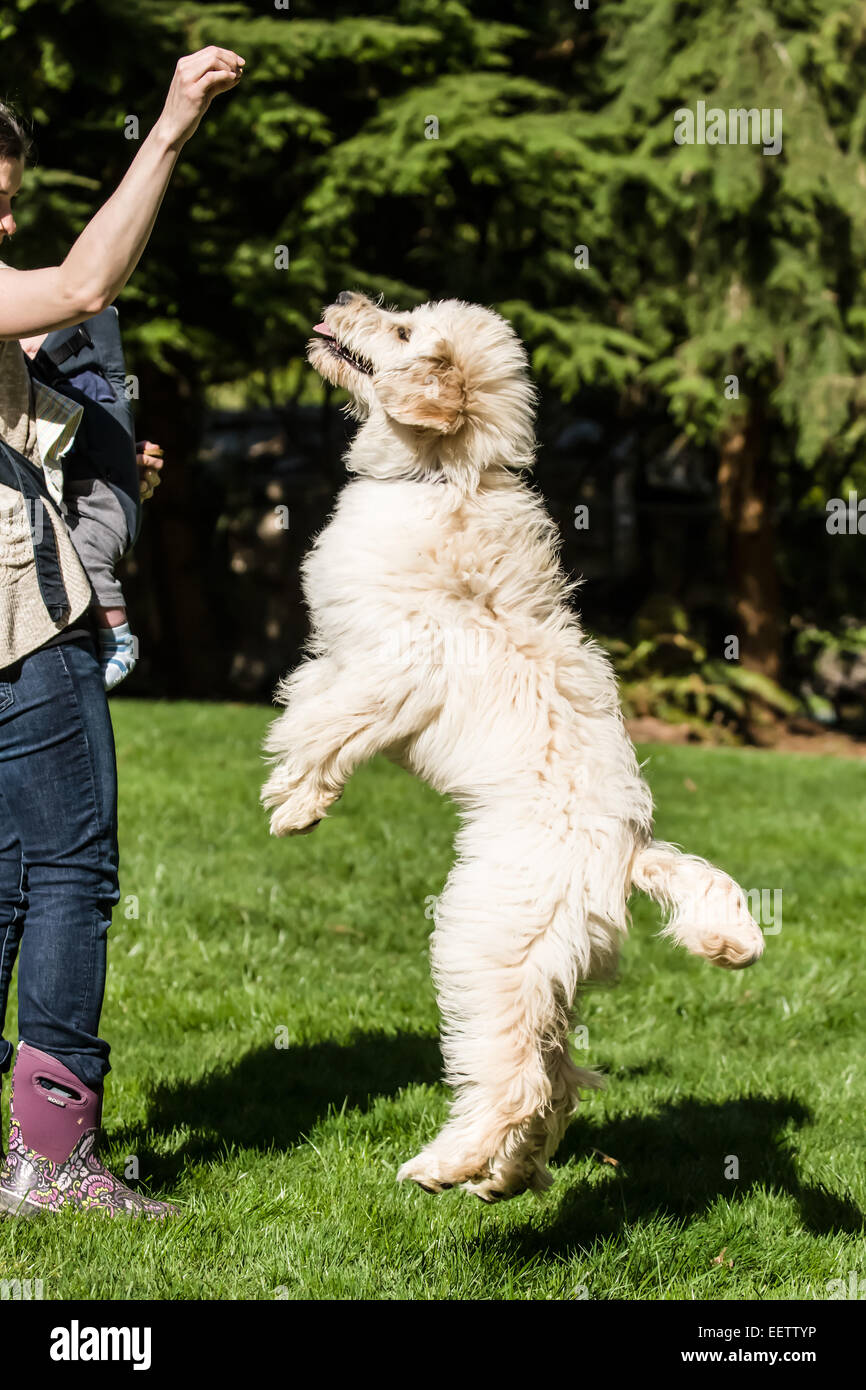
[(442, 636)]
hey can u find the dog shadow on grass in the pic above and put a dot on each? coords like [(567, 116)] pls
[(673, 1162)]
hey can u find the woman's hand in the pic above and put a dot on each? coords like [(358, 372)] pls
[(149, 458), (108, 250), (198, 78)]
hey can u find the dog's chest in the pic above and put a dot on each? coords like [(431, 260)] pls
[(381, 547), (398, 552)]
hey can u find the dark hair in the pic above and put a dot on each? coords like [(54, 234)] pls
[(15, 143)]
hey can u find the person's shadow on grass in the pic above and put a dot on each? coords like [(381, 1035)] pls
[(673, 1162), (273, 1098)]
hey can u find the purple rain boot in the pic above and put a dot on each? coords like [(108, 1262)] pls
[(52, 1140), (2, 1154)]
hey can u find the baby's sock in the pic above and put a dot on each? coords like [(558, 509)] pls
[(117, 655)]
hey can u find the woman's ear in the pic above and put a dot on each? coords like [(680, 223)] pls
[(428, 392)]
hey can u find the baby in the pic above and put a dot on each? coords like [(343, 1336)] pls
[(86, 440)]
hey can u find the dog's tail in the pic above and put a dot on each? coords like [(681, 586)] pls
[(707, 910)]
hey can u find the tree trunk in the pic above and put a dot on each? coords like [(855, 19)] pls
[(745, 496)]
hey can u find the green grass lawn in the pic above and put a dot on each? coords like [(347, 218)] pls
[(274, 1036)]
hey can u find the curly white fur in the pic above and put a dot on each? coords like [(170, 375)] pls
[(442, 635)]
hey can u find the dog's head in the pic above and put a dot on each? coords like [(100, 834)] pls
[(443, 389)]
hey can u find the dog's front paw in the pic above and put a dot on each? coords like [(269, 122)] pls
[(298, 807), (281, 825), (295, 817), (730, 936)]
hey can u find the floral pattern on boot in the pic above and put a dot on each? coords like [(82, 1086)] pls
[(31, 1183)]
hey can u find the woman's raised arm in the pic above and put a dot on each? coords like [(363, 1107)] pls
[(108, 250)]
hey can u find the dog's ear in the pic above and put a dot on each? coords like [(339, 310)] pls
[(428, 392)]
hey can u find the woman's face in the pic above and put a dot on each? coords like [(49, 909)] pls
[(11, 174)]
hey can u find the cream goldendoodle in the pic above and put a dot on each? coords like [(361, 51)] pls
[(442, 635)]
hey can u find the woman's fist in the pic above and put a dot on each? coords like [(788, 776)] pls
[(198, 78)]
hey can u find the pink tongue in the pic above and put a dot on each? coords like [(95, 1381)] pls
[(323, 328)]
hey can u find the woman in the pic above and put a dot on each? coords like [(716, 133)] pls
[(58, 795)]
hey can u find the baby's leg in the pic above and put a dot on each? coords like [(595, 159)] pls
[(108, 617), (98, 527)]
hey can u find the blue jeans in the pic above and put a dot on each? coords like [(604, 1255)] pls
[(58, 852)]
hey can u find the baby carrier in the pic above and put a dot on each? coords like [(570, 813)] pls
[(86, 363)]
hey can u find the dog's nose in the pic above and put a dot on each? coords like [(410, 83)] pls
[(344, 297)]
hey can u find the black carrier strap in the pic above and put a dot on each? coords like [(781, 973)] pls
[(78, 340), (18, 474)]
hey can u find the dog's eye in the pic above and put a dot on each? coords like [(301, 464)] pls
[(403, 333)]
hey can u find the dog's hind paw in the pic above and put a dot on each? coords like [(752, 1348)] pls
[(511, 1177), (490, 1190), (493, 1181), (425, 1171)]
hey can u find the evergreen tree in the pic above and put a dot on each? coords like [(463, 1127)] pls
[(517, 153)]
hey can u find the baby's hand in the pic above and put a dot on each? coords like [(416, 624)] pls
[(149, 458), (117, 654)]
